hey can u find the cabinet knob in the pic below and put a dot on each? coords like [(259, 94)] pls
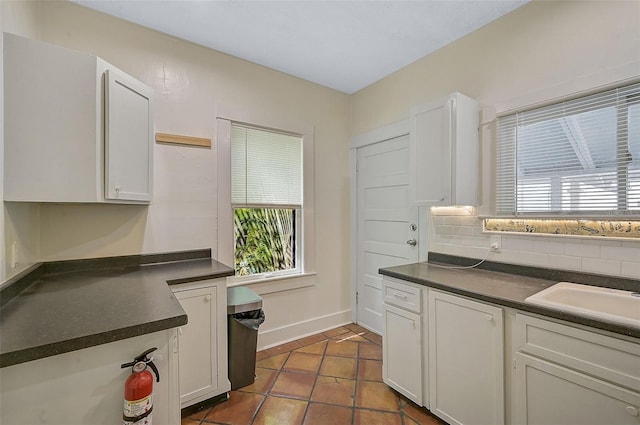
[(207, 298), (633, 411), (412, 242), (489, 317), (117, 189)]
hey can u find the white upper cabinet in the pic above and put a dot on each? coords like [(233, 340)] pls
[(77, 129), (445, 161)]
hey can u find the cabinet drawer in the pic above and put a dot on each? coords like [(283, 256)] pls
[(611, 359), (401, 294)]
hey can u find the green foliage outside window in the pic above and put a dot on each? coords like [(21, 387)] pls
[(264, 240)]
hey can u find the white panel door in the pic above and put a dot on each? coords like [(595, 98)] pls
[(387, 224)]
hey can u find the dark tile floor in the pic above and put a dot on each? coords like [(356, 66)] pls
[(332, 378)]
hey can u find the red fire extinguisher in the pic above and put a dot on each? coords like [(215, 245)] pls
[(138, 390)]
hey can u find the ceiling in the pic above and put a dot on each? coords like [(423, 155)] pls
[(342, 44)]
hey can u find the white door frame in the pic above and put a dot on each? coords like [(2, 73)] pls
[(378, 135)]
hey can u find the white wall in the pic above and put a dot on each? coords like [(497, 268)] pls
[(542, 51), (193, 86)]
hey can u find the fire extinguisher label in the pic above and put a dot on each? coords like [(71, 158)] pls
[(144, 421), (138, 412)]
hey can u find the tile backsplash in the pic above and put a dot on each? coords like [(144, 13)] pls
[(459, 231)]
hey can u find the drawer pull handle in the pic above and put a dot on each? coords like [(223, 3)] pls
[(400, 296), (632, 411)]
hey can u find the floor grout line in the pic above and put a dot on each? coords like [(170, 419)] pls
[(350, 332)]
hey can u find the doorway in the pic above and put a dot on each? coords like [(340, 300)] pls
[(386, 223)]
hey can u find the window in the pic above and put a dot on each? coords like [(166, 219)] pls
[(579, 157), (264, 240), (266, 196)]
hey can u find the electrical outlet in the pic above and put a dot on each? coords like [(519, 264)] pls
[(495, 243)]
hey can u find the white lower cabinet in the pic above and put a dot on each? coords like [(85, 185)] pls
[(402, 339), (567, 375), (548, 394), (447, 353), (402, 366), (87, 386), (202, 342), (466, 352)]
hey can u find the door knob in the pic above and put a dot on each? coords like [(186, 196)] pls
[(412, 242)]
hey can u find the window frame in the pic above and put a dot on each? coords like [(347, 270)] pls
[(305, 273), (506, 184)]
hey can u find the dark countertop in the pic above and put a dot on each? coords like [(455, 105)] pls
[(66, 306), (506, 289)]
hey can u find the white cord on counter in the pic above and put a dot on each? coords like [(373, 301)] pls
[(462, 267)]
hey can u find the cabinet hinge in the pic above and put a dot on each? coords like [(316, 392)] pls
[(515, 364), (356, 297)]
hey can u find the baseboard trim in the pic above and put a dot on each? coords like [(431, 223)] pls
[(288, 333), (189, 410)]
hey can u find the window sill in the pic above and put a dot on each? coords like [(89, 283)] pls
[(270, 285)]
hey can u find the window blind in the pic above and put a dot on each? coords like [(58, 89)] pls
[(266, 168), (578, 157)]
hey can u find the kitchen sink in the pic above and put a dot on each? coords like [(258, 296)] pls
[(612, 305)]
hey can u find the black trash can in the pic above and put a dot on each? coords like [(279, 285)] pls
[(244, 317)]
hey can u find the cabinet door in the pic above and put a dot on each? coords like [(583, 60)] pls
[(466, 344), (198, 361), (402, 352), (548, 394), (430, 148), (128, 139), (52, 116)]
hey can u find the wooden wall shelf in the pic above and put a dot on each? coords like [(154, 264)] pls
[(175, 139)]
